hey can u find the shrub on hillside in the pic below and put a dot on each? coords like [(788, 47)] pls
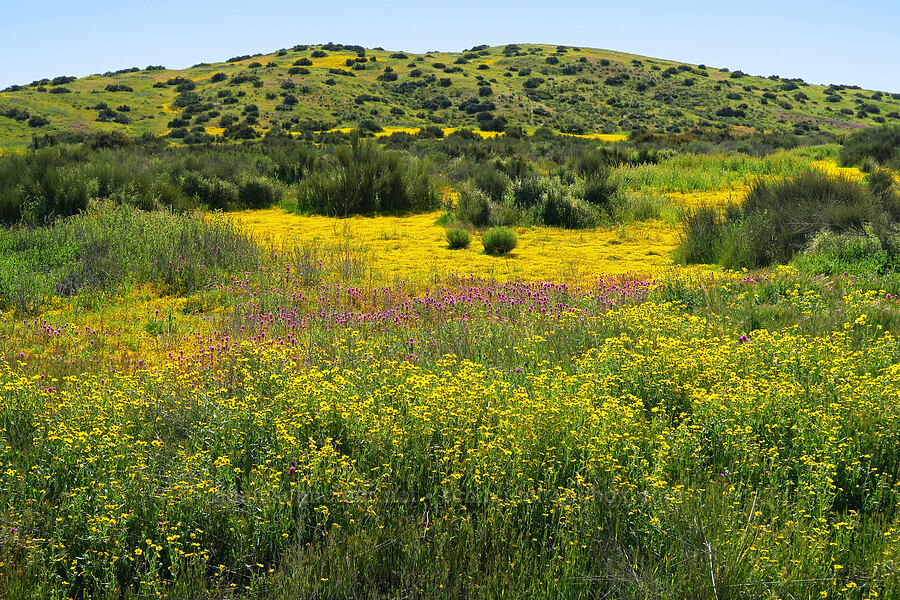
[(499, 241)]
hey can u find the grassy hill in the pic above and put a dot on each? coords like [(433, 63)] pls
[(314, 88)]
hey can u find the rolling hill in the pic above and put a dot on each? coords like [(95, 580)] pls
[(314, 88)]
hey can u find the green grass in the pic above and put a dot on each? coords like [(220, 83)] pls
[(112, 247), (718, 171)]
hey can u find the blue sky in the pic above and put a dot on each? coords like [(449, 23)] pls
[(822, 42)]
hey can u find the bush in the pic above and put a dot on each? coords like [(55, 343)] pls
[(598, 190), (702, 237), (38, 186), (831, 253), (114, 245), (473, 206), (881, 144), (499, 241), (779, 219), (492, 182), (211, 192), (561, 208), (363, 178), (529, 192), (258, 192), (368, 127), (458, 238)]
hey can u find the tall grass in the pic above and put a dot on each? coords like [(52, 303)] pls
[(363, 178), (110, 246), (708, 172), (779, 219)]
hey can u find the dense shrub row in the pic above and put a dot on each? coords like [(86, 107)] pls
[(365, 178), (341, 176), (57, 181), (779, 219), (38, 186), (513, 192)]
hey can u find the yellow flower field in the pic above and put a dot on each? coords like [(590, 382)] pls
[(415, 246)]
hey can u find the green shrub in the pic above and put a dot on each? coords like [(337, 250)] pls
[(38, 186), (492, 182), (364, 178), (563, 209), (499, 241), (881, 144), (832, 253), (211, 192), (458, 238), (473, 206), (778, 219), (112, 245), (598, 190), (258, 192), (702, 236), (529, 192)]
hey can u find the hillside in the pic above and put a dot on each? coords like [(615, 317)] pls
[(314, 88)]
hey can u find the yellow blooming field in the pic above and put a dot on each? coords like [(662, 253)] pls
[(415, 246), (603, 137)]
